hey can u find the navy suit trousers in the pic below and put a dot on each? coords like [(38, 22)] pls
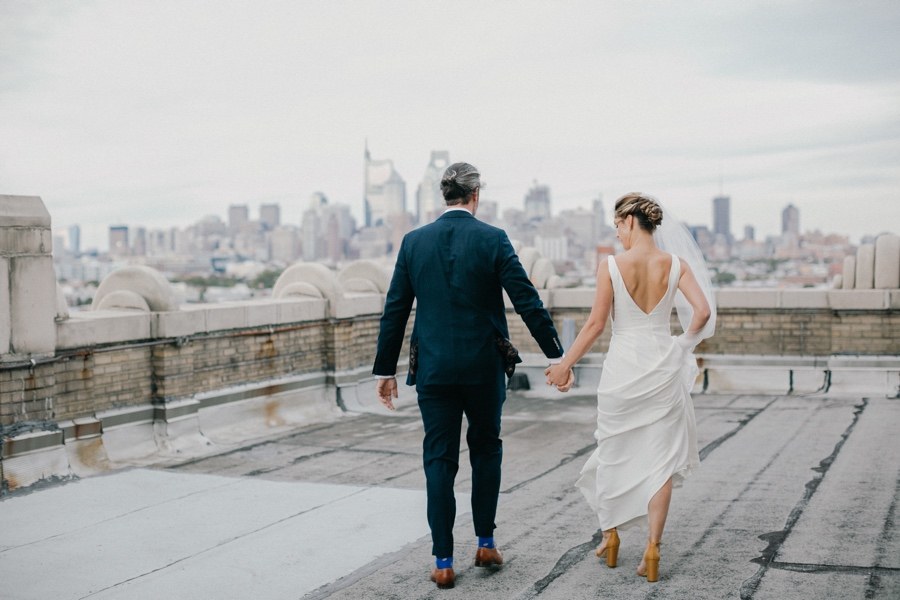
[(442, 409)]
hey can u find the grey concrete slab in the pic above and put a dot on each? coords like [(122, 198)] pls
[(743, 526), (846, 522), (210, 536), (821, 586), (258, 459)]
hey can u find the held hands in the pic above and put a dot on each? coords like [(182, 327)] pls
[(563, 378), (387, 391)]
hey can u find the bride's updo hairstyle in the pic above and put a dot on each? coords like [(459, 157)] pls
[(459, 181), (645, 209)]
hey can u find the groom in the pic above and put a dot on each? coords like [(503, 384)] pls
[(455, 269)]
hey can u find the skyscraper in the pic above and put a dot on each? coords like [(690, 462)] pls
[(326, 230), (599, 219), (311, 227), (75, 240), (118, 240), (790, 220), (139, 243), (285, 244), (269, 216), (238, 217), (385, 191), (722, 216), (537, 203), (429, 199)]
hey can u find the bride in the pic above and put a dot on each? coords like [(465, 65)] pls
[(646, 433)]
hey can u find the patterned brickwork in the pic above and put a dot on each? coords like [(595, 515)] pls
[(796, 332), (75, 386), (774, 332), (82, 383), (877, 332), (207, 363)]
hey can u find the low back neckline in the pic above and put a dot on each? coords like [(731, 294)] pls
[(631, 298)]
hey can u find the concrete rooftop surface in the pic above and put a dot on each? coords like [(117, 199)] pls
[(796, 497)]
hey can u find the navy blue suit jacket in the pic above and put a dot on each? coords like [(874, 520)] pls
[(455, 269)]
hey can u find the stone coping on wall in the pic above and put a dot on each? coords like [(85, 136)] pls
[(812, 298), (356, 304), (762, 298), (583, 297), (90, 328)]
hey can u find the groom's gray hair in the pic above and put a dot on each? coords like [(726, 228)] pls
[(460, 180)]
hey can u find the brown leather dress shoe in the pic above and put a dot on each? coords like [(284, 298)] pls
[(488, 557), (444, 578)]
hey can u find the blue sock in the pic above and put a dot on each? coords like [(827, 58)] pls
[(485, 542), (443, 563)]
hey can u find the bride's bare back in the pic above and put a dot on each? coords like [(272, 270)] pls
[(645, 273)]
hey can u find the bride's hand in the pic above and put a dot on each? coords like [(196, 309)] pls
[(569, 382), (559, 376), (687, 341)]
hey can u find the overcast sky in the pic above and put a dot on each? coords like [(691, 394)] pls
[(158, 113)]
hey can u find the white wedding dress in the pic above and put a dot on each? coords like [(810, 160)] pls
[(646, 431)]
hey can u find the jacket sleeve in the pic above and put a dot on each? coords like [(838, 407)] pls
[(526, 301), (397, 306)]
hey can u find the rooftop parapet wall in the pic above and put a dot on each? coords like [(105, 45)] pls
[(27, 281), (128, 364), (128, 356), (766, 322)]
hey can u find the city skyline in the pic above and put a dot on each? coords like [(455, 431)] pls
[(159, 114), (719, 221)]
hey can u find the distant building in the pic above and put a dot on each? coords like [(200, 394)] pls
[(139, 244), (118, 240), (722, 217), (326, 230), (59, 245), (537, 203), (75, 240), (704, 238), (513, 217), (285, 242), (238, 217), (579, 226), (385, 191), (790, 220), (598, 218), (552, 244), (311, 227), (339, 227), (749, 233), (487, 211), (371, 242), (429, 199), (160, 242), (269, 216)]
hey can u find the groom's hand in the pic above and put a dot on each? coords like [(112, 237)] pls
[(387, 391)]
